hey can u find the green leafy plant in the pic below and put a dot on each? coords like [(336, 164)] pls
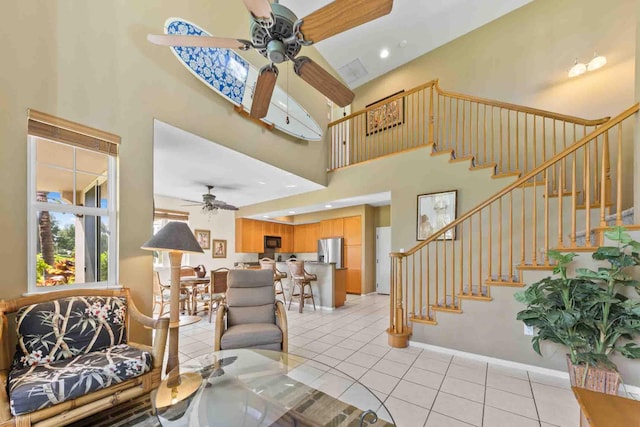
[(587, 313)]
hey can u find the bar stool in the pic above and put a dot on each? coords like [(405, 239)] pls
[(269, 264), (301, 279)]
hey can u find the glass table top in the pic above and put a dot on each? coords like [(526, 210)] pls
[(252, 388)]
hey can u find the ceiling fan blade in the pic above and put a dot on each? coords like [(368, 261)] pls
[(264, 89), (198, 41), (342, 15), (228, 207), (197, 204), (324, 82), (261, 11)]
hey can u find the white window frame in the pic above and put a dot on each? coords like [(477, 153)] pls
[(33, 207)]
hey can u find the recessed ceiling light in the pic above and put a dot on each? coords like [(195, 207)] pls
[(328, 206), (262, 183), (403, 43), (384, 53), (292, 212), (291, 186), (265, 216)]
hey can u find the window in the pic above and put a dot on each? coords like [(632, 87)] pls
[(72, 213)]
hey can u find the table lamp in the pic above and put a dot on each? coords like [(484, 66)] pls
[(177, 238)]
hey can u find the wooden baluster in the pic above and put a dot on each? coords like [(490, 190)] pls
[(480, 278), (587, 192), (406, 293), (607, 165), (413, 282), (427, 282), (535, 148), (477, 153), (450, 130), (489, 238), (437, 269), (439, 123), (560, 205), (484, 123), (508, 139), (554, 177), (524, 170), (564, 141), (500, 241), (416, 114), (457, 140), (546, 216), (544, 140), (534, 221), (444, 272), (597, 172), (493, 142), (501, 146), (618, 178), (464, 126), (522, 226), (470, 252), (431, 118), (511, 235), (574, 201), (398, 313), (526, 142), (421, 284)]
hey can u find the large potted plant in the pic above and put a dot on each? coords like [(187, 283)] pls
[(590, 313)]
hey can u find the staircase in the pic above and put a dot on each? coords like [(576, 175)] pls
[(572, 180), (553, 206)]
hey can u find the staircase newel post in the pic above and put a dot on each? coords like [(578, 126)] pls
[(431, 116), (400, 332)]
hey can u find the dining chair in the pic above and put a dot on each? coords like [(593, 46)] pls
[(301, 279), (270, 264), (214, 293), (162, 295)]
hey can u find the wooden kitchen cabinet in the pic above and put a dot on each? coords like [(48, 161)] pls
[(353, 263), (305, 237), (249, 237), (286, 233), (352, 230), (331, 228)]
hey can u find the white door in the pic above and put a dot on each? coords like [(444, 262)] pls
[(383, 262)]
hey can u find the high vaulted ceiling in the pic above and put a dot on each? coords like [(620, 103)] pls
[(423, 24)]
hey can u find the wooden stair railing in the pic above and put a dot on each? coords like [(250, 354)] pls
[(515, 228), (508, 137)]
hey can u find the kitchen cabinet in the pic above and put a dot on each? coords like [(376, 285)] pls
[(305, 237), (352, 230), (340, 288), (249, 237), (353, 263), (286, 232), (331, 228)]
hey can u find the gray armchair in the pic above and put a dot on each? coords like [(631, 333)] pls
[(251, 317)]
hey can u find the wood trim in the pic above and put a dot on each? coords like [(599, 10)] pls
[(170, 214), (238, 109), (65, 131)]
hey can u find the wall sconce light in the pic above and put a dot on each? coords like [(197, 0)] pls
[(580, 68)]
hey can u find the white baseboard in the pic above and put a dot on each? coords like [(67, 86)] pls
[(510, 364)]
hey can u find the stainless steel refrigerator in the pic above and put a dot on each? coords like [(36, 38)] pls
[(330, 250)]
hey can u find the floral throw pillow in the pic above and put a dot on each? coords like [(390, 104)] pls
[(64, 328)]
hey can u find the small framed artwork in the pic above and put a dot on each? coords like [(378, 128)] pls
[(386, 115), (219, 248), (203, 237), (436, 210)]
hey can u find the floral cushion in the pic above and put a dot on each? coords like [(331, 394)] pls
[(43, 385), (64, 328)]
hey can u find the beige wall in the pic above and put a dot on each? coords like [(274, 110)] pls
[(90, 62), (382, 215)]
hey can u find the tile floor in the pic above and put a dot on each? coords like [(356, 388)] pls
[(418, 387)]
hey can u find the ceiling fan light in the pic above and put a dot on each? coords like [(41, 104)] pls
[(577, 69), (596, 62)]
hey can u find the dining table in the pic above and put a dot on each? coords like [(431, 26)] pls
[(190, 283)]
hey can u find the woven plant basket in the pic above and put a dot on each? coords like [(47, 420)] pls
[(602, 380)]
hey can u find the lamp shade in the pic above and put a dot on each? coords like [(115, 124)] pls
[(175, 236)]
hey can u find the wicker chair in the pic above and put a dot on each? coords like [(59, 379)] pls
[(213, 294), (85, 373), (269, 264), (302, 279), (162, 295)]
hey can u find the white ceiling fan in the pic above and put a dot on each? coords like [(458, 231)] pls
[(211, 205)]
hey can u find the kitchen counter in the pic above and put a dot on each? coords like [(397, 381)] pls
[(328, 291)]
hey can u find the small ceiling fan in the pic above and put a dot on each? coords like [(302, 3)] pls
[(278, 35), (211, 205)]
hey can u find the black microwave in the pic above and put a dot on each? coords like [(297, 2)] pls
[(272, 242)]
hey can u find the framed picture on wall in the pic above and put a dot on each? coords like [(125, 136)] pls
[(386, 115), (203, 237), (219, 248), (436, 210)]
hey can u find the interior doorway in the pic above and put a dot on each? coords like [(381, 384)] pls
[(383, 262)]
